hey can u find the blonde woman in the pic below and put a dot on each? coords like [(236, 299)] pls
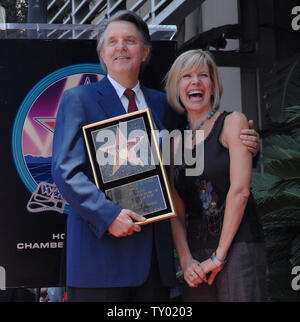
[(217, 233)]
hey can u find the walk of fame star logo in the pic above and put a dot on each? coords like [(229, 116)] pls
[(34, 124), (123, 150)]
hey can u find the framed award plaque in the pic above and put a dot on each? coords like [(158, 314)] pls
[(126, 160)]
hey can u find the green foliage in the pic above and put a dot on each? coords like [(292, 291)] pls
[(277, 190), (283, 89)]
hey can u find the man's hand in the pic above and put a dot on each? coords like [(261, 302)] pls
[(250, 138), (124, 225)]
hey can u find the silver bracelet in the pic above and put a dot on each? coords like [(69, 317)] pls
[(216, 260)]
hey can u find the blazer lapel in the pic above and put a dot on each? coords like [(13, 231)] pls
[(109, 100), (150, 102)]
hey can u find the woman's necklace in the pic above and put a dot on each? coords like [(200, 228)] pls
[(208, 116)]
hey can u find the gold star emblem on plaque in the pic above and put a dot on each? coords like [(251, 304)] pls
[(123, 150)]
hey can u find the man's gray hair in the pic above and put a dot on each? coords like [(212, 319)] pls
[(123, 15)]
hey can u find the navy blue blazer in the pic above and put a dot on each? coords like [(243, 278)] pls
[(95, 258)]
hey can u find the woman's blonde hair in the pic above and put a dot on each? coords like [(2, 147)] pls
[(185, 63)]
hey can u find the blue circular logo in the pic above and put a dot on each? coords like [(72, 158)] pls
[(34, 123)]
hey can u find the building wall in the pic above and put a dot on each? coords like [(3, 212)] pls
[(2, 14), (218, 13)]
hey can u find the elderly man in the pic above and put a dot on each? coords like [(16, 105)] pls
[(109, 257)]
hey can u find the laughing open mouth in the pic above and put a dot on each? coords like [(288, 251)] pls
[(195, 94)]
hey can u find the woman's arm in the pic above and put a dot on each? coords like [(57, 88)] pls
[(240, 180), (193, 273), (237, 196)]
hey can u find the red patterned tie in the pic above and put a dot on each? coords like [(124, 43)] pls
[(129, 93)]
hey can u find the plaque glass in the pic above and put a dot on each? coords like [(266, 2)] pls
[(126, 161)]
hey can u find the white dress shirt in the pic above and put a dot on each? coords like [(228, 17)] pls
[(139, 99), (139, 96)]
